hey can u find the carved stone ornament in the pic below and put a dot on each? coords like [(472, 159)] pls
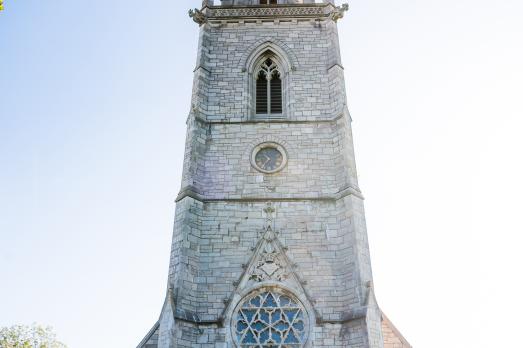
[(197, 16), (267, 11), (339, 12), (313, 11), (269, 210), (270, 265)]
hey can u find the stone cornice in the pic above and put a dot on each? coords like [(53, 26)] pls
[(285, 121), (298, 11), (294, 11), (355, 314), (342, 193)]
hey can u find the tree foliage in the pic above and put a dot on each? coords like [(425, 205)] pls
[(35, 336)]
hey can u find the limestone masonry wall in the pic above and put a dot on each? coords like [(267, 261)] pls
[(313, 205)]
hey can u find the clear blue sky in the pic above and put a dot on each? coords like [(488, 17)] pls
[(94, 97)]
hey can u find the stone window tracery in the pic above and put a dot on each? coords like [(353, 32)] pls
[(268, 88), (270, 319)]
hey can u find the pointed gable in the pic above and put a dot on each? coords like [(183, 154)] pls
[(268, 265), (392, 338), (151, 339)]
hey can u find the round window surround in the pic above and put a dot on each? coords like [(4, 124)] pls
[(269, 158)]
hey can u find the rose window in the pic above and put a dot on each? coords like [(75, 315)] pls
[(270, 319)]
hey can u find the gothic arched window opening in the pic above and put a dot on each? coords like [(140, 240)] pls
[(268, 88)]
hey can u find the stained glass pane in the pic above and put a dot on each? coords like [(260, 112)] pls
[(249, 338), (269, 301), (298, 325), (256, 301), (291, 338), (249, 315), (264, 315), (264, 336)]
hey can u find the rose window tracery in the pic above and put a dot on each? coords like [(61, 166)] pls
[(270, 319)]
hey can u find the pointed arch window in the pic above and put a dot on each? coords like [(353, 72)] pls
[(269, 88)]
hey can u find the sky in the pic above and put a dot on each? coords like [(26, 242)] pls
[(93, 101)]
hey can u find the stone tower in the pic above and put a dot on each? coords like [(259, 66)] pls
[(269, 245)]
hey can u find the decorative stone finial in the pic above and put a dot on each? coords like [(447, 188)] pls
[(197, 16), (339, 12), (269, 210)]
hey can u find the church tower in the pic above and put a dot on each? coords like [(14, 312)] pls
[(269, 245)]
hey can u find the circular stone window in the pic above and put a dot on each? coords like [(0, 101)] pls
[(270, 319), (269, 158)]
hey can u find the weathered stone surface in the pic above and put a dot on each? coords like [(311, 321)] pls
[(301, 229)]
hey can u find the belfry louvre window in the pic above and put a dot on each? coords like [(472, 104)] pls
[(268, 89)]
